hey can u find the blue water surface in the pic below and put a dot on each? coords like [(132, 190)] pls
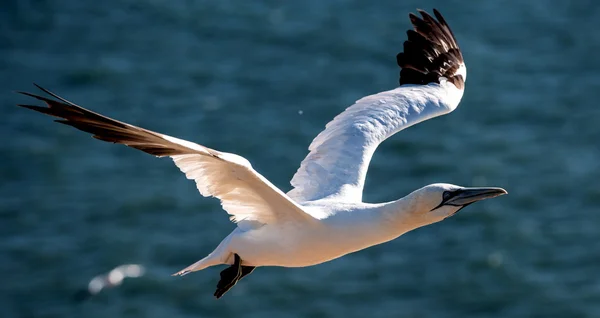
[(261, 79)]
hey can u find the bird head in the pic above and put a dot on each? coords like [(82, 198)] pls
[(436, 202)]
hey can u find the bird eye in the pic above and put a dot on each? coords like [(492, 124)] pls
[(446, 195)]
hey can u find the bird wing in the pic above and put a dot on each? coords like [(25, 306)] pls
[(432, 80), (246, 195)]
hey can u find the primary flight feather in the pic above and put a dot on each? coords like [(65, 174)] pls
[(323, 216)]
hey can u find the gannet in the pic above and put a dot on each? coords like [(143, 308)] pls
[(323, 217), (111, 279)]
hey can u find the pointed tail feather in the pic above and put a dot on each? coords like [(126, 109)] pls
[(208, 261)]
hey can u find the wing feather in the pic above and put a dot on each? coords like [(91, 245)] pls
[(246, 195), (431, 84)]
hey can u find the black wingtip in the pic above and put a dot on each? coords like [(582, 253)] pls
[(38, 96), (45, 90), (28, 94), (430, 52), (42, 89), (54, 95), (33, 107)]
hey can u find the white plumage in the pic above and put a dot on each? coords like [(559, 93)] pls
[(246, 195), (323, 216), (339, 157)]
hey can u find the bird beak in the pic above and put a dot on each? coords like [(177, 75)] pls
[(467, 196)]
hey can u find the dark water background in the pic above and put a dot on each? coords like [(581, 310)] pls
[(261, 79)]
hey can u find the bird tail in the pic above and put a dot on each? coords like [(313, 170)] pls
[(221, 255), (208, 261)]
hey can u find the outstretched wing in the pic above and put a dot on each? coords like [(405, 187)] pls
[(432, 79), (246, 195)]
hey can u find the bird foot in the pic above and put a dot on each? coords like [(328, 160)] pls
[(229, 277)]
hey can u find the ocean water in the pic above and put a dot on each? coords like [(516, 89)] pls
[(261, 79)]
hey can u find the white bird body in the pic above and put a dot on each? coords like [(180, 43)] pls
[(345, 224), (345, 228), (323, 216)]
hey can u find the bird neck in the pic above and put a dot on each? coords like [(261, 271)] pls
[(401, 216)]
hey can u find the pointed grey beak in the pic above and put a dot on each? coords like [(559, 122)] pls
[(467, 196)]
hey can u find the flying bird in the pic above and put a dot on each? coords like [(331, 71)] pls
[(111, 279), (323, 217)]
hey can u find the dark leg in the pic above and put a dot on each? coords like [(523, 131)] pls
[(229, 276), (246, 270)]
